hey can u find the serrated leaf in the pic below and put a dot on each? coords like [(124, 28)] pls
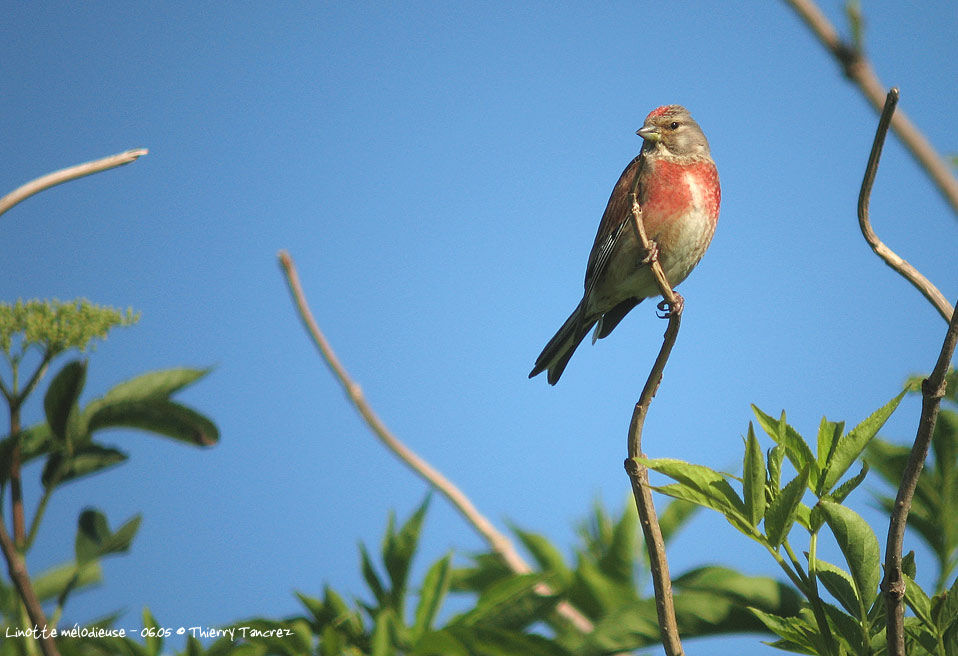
[(918, 601), (690, 495), (839, 584), (62, 395), (796, 449), (780, 514), (775, 457), (792, 629), (157, 416), (704, 480), (945, 608), (434, 589), (846, 488), (850, 446), (859, 545), (753, 479), (829, 432)]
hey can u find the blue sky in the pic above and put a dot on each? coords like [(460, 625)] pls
[(438, 172)]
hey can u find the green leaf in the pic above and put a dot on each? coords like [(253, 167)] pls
[(153, 385), (51, 583), (157, 416), (796, 449), (691, 495), (708, 482), (846, 488), (794, 630), (859, 545), (545, 554), (839, 584), (918, 601), (848, 448), (62, 395), (780, 514), (94, 539), (507, 603), (945, 608), (398, 550), (439, 643), (618, 561), (775, 457), (87, 459), (753, 479), (372, 578), (381, 643), (152, 639), (829, 433), (434, 589), (674, 517)]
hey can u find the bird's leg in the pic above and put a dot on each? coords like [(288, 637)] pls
[(651, 255), (668, 309)]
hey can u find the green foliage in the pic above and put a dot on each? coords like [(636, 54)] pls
[(513, 613), (855, 622), (936, 496), (55, 326), (67, 443)]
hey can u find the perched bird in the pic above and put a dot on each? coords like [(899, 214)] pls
[(679, 194)]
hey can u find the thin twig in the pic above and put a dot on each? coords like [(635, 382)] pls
[(638, 473), (72, 173), (892, 259), (858, 69), (21, 579), (499, 542), (932, 389)]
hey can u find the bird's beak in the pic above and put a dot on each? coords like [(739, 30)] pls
[(649, 133)]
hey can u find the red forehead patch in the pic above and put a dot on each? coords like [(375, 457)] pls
[(658, 111)]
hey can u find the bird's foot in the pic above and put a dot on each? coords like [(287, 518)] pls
[(669, 309)]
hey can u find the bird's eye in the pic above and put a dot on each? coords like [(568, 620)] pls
[(674, 125)]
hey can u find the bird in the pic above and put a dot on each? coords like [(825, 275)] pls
[(677, 188)]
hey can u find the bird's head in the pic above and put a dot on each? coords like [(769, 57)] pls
[(671, 130)]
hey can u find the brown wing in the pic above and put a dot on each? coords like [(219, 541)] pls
[(616, 216)]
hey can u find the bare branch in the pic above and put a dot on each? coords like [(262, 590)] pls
[(638, 473), (499, 542), (858, 69), (21, 579), (72, 173), (932, 389), (910, 273)]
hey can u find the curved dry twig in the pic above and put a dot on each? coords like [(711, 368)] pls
[(892, 259), (498, 541), (932, 390), (858, 69), (71, 173), (638, 473)]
